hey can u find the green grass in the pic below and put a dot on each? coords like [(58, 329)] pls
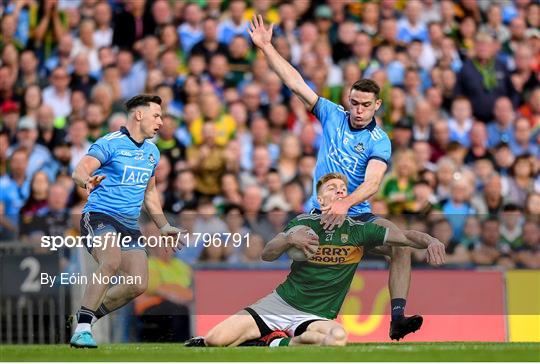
[(453, 351)]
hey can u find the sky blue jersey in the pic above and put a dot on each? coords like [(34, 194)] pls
[(347, 150), (128, 166)]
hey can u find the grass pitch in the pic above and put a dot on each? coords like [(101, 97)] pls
[(454, 351)]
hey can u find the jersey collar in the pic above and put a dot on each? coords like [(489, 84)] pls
[(372, 124), (124, 130)]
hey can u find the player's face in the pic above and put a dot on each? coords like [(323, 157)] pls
[(362, 106), (151, 120), (332, 190)]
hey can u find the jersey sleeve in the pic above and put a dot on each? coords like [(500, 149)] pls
[(324, 109), (101, 150), (368, 235), (382, 150)]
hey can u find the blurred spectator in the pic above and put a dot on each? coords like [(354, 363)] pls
[(528, 254), (103, 33), (167, 142), (471, 232), (32, 100), (190, 31), (210, 44), (207, 161), (522, 142), (47, 25), (461, 122), (483, 78), (531, 109), (81, 79), (520, 181), (239, 238), (398, 189), (132, 24), (234, 24), (412, 26), (84, 44), (500, 130), (457, 209), (28, 72), (37, 200), (490, 250), (511, 225), (77, 136), (58, 94), (182, 193), (49, 135), (256, 222), (490, 202)]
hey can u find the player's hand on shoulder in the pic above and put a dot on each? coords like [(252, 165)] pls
[(436, 253), (92, 182), (335, 215), (304, 239)]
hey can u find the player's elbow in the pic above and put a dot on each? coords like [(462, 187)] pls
[(267, 256)]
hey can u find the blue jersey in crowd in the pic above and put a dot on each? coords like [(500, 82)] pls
[(347, 150), (128, 166)]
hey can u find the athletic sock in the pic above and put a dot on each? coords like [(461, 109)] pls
[(280, 342), (101, 311), (84, 319), (398, 307)]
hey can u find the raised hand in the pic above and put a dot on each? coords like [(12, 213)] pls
[(258, 33)]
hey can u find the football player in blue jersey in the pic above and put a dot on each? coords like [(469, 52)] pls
[(355, 146), (118, 175)]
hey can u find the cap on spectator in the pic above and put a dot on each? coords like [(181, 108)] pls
[(323, 11), (532, 33), (276, 203), (403, 123), (10, 107), (27, 123)]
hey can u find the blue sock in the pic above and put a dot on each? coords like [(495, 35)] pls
[(398, 307)]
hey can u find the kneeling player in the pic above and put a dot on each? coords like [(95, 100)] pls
[(301, 311)]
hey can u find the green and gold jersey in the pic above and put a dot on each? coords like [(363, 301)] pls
[(320, 284)]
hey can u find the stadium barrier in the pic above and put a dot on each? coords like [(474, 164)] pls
[(30, 313), (458, 305)]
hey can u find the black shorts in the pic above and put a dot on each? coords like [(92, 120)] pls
[(363, 217), (97, 223)]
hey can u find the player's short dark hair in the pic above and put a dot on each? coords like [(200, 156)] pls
[(142, 100), (367, 85), (327, 177)]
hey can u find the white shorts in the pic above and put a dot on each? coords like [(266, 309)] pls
[(273, 313)]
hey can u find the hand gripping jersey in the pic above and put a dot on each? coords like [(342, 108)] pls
[(319, 285), (347, 150), (128, 166)]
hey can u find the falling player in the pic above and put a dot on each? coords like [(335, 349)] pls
[(301, 311)]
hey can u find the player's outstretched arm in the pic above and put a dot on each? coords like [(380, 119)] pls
[(436, 251), (152, 204), (83, 173), (300, 239), (262, 38)]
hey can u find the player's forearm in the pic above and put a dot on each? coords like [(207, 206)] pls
[(80, 175), (286, 72), (153, 206), (418, 239), (275, 247), (363, 192)]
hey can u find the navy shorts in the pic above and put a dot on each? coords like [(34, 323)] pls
[(363, 217), (97, 223)]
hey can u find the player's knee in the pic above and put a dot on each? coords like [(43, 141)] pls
[(110, 266), (401, 253), (339, 335), (138, 288), (216, 339)]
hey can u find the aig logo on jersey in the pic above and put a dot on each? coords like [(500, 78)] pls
[(136, 176), (359, 147)]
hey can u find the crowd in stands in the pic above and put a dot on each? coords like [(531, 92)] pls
[(460, 85)]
